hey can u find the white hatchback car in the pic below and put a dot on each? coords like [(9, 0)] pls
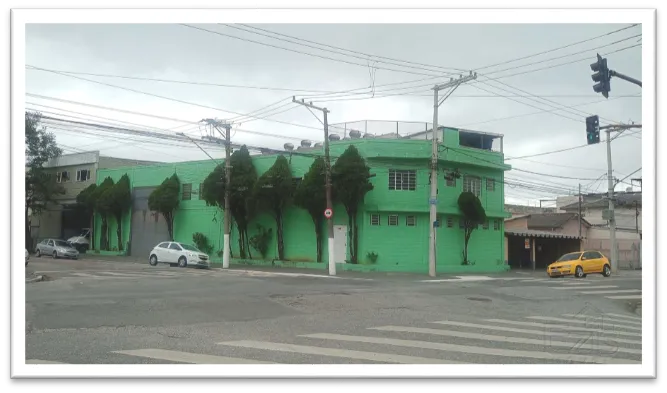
[(178, 253)]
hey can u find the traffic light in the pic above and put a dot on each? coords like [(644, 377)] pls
[(593, 130), (601, 77)]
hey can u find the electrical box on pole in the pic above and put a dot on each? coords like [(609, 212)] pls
[(593, 129), (601, 77)]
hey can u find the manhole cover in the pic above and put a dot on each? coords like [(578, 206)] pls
[(479, 299)]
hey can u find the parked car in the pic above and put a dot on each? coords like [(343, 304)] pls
[(181, 254), (56, 248), (579, 264), (81, 242), (27, 256)]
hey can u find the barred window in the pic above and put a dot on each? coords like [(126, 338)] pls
[(375, 219), (490, 184), (402, 180), (472, 184), (392, 220), (410, 221), (187, 192), (486, 224), (496, 225), (450, 222), (451, 181)]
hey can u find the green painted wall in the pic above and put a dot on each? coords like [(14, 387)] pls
[(399, 248)]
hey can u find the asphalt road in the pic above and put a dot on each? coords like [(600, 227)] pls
[(101, 312)]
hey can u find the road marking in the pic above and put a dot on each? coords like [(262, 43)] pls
[(543, 333), (86, 275), (468, 349), (565, 327), (336, 352), (625, 316), (186, 357), (584, 322), (537, 280), (604, 318), (626, 297), (38, 361), (614, 291), (587, 288), (516, 340), (574, 284)]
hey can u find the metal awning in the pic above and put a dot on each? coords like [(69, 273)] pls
[(544, 234)]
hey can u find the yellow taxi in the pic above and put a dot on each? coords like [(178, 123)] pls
[(579, 264)]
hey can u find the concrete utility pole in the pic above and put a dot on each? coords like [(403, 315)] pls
[(579, 211), (433, 201), (226, 250), (327, 183), (610, 192)]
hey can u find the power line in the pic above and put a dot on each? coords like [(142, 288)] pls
[(555, 151), (303, 53)]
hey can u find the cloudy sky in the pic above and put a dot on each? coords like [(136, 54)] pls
[(523, 82)]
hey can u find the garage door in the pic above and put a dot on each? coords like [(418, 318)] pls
[(148, 228)]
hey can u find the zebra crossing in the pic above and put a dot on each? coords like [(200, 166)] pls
[(137, 274), (600, 286), (563, 339)]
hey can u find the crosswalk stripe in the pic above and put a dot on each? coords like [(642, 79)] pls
[(574, 284), (128, 274), (86, 275), (614, 291), (468, 349), (587, 288), (336, 352), (529, 331), (536, 280), (565, 327), (606, 318), (516, 340), (625, 316), (625, 297), (39, 361), (187, 357), (584, 322)]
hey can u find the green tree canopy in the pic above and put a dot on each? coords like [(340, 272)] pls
[(40, 187), (103, 207), (86, 205), (117, 200), (273, 192), (242, 183), (350, 180), (473, 215), (165, 199), (310, 195)]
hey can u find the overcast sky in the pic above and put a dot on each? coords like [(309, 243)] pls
[(176, 52)]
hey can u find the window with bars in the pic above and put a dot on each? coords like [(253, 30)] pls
[(83, 175), (450, 222), (392, 220), (496, 225), (450, 181), (375, 219), (402, 180), (187, 192), (201, 191), (490, 184), (485, 225), (410, 221), (472, 184)]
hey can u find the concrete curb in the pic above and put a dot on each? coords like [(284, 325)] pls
[(34, 279)]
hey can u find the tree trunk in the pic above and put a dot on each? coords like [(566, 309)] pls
[(92, 232), (350, 235), (317, 221), (355, 240), (241, 241), (466, 238), (247, 242), (104, 244), (119, 232), (279, 231), (169, 218)]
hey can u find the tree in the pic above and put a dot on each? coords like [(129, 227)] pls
[(104, 209), (310, 195), (473, 215), (86, 205), (164, 200), (242, 183), (116, 201), (273, 192), (40, 187), (350, 181)]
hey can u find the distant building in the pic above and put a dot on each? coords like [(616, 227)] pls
[(74, 172)]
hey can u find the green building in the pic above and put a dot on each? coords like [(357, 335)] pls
[(393, 220)]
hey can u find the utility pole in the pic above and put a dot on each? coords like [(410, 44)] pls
[(433, 201), (327, 183), (579, 211), (226, 250)]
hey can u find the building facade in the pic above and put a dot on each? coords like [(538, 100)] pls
[(393, 221), (74, 172)]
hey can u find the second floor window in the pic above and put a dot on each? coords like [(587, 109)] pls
[(472, 184), (402, 180), (83, 175), (490, 184), (187, 192), (62, 177)]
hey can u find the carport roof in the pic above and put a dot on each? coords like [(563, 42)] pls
[(534, 233)]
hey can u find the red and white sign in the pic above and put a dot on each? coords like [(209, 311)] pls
[(328, 213)]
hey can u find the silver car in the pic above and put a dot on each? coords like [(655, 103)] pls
[(56, 248)]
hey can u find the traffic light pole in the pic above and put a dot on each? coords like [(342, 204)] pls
[(625, 78)]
